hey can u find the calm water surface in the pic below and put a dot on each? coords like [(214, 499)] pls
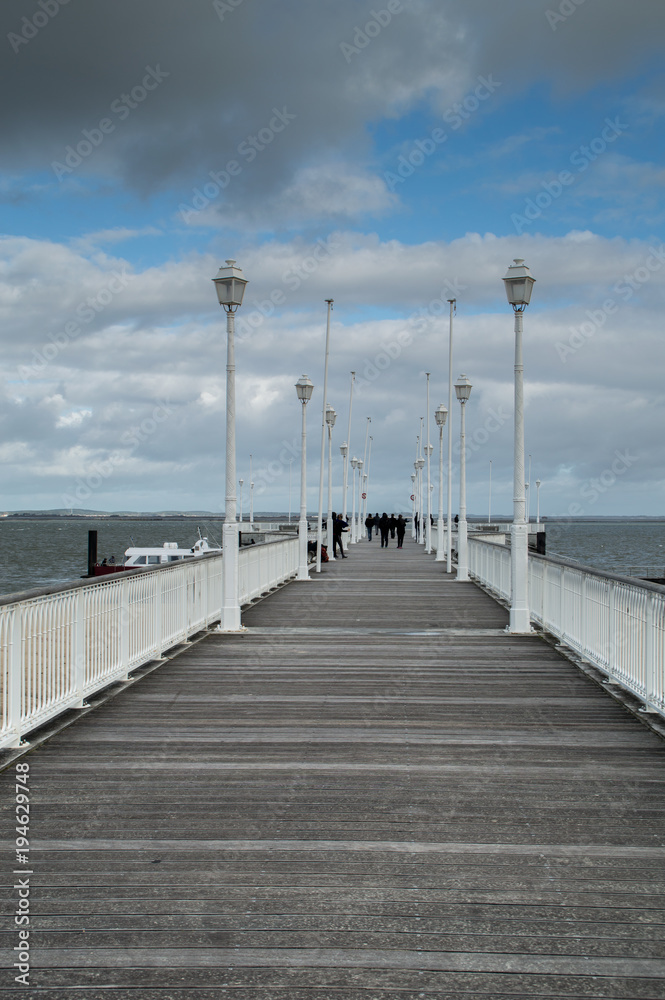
[(37, 552)]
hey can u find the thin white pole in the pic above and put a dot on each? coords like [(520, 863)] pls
[(329, 521), (231, 605), (290, 471), (240, 482), (303, 573), (347, 457), (489, 503), (520, 619), (439, 523), (362, 513), (251, 495), (369, 462), (449, 524), (319, 526), (428, 535), (462, 568)]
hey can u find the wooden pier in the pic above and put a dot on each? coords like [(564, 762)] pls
[(374, 792)]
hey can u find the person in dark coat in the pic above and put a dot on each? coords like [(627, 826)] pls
[(400, 528), (339, 525), (416, 522), (384, 528), (369, 524), (393, 524)]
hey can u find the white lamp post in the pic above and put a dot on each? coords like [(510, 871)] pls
[(352, 533), (440, 415), (319, 524), (519, 284), (345, 454), (251, 495), (413, 506), (428, 456), (230, 286), (331, 416), (362, 513), (304, 388), (360, 523), (462, 391), (419, 465), (537, 501), (449, 532), (240, 482), (366, 474)]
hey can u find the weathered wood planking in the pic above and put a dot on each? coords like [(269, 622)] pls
[(373, 793)]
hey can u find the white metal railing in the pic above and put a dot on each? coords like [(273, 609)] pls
[(615, 623), (60, 645)]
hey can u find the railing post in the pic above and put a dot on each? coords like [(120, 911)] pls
[(158, 612), (78, 647), (124, 629), (612, 657), (14, 677), (650, 683)]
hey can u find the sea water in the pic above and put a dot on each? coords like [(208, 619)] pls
[(39, 552)]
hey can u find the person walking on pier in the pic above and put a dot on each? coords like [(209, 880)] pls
[(339, 525), (369, 524), (416, 522), (384, 528), (392, 521), (400, 528)]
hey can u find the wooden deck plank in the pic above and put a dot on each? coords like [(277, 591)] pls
[(373, 792)]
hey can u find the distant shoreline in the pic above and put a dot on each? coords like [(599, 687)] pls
[(262, 518)]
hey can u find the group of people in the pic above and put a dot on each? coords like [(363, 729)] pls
[(386, 526)]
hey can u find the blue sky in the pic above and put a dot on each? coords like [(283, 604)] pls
[(389, 156)]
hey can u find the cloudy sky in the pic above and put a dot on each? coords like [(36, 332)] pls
[(388, 155)]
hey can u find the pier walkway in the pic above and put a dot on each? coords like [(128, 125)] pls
[(372, 793)]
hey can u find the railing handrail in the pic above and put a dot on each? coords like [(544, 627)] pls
[(594, 571), (60, 644), (58, 588), (616, 623)]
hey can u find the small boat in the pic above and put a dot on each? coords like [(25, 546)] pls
[(169, 552)]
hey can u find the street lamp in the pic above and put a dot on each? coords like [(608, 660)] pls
[(418, 466), (331, 416), (345, 454), (344, 451), (537, 501), (519, 284), (440, 415), (352, 534), (304, 389), (359, 525), (413, 506), (230, 286), (240, 482), (462, 391), (251, 495)]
